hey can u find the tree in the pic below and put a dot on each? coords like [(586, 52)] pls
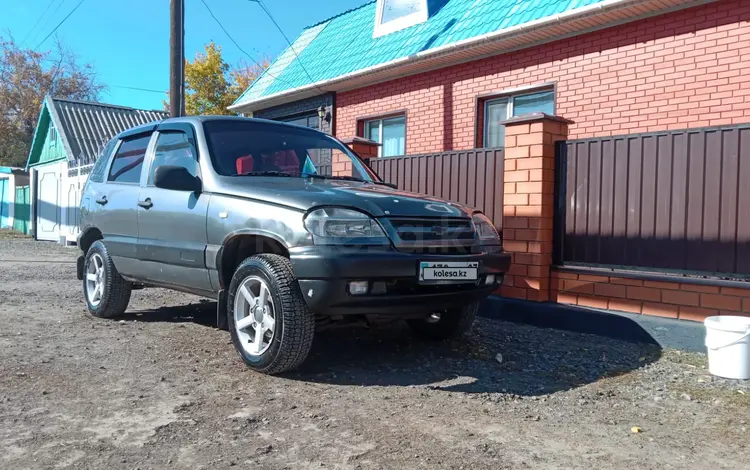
[(211, 85), (26, 77)]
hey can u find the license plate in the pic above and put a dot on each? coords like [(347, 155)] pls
[(439, 271)]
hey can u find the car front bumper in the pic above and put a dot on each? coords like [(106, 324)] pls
[(324, 273)]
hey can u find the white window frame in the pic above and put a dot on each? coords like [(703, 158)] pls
[(399, 23), (509, 96), (52, 135), (380, 131)]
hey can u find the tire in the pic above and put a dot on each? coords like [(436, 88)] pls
[(291, 338), (453, 324), (115, 295)]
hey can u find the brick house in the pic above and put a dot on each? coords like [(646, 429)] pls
[(621, 124)]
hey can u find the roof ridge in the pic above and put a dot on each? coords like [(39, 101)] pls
[(106, 105), (340, 14)]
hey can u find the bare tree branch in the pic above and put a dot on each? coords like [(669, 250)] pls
[(26, 77)]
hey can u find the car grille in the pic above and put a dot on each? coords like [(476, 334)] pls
[(431, 230), (434, 236)]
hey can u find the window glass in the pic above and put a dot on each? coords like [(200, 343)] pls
[(497, 112), (245, 148), (542, 102), (97, 172), (390, 133), (372, 130), (128, 161), (395, 9), (173, 148), (394, 137), (310, 120)]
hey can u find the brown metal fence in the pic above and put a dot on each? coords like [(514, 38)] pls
[(662, 201), (472, 177)]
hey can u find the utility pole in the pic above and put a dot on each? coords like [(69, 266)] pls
[(177, 58)]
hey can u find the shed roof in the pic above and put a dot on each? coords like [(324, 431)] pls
[(86, 126)]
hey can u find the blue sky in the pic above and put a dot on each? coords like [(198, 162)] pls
[(127, 41)]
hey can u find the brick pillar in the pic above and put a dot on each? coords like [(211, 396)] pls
[(528, 202), (365, 148)]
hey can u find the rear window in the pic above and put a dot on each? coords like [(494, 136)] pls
[(100, 167), (128, 161)]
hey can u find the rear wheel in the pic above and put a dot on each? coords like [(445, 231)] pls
[(107, 294), (271, 326), (448, 324)]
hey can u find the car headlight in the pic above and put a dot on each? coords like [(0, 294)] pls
[(339, 226), (487, 232)]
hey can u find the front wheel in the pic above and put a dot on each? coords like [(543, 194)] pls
[(271, 326), (449, 324)]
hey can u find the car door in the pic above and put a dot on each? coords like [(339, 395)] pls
[(172, 224), (117, 215)]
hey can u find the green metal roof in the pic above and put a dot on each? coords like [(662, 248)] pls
[(344, 44)]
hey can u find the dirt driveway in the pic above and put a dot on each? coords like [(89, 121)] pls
[(163, 388)]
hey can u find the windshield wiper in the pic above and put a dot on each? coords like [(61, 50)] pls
[(346, 178), (266, 173)]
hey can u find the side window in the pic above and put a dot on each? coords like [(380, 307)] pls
[(173, 148), (128, 161), (100, 167)]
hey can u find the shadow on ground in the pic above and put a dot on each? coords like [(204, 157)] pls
[(201, 313), (531, 361), (498, 357)]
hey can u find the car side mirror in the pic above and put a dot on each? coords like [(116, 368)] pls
[(176, 178)]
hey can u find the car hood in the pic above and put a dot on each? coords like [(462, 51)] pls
[(304, 194)]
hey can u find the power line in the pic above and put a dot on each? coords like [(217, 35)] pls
[(268, 13), (265, 71), (139, 89), (60, 23), (37, 21), (45, 23)]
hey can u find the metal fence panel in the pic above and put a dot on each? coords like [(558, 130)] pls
[(677, 200), (472, 177)]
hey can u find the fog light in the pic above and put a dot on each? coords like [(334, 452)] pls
[(358, 287), (490, 279)]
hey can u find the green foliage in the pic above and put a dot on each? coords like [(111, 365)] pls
[(211, 85)]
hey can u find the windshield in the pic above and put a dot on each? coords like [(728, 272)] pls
[(247, 148)]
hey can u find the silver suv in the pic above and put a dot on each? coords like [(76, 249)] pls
[(286, 227)]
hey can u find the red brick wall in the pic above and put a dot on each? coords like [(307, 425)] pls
[(678, 70), (666, 299)]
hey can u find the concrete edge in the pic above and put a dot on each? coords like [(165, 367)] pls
[(662, 332)]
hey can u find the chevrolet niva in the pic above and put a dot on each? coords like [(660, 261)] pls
[(286, 227)]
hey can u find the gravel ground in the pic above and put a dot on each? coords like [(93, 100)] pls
[(163, 388)]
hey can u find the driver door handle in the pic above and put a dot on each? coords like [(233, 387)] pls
[(147, 204), (102, 201)]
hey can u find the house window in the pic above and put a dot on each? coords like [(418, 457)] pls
[(309, 120), (395, 15), (52, 135), (499, 109), (390, 133)]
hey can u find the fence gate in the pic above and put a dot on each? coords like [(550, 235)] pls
[(669, 201)]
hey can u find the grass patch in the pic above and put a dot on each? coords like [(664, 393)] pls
[(709, 393), (688, 358), (11, 234)]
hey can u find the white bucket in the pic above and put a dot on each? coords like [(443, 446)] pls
[(728, 343)]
